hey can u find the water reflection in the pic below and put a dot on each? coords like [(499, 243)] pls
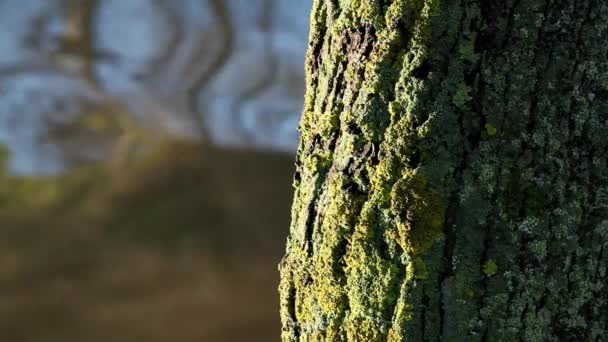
[(226, 71)]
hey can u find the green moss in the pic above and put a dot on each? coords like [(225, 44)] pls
[(420, 269), (461, 96), (466, 49), (490, 268), (419, 211)]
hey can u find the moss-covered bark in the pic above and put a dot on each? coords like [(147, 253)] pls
[(452, 178)]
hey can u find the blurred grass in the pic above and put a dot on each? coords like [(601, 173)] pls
[(179, 245)]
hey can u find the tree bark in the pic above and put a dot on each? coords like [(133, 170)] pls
[(452, 177)]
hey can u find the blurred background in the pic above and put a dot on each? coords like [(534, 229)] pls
[(146, 158)]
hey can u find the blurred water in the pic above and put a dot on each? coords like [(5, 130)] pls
[(229, 72), (179, 247), (147, 187)]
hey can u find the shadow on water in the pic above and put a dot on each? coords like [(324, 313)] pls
[(181, 245)]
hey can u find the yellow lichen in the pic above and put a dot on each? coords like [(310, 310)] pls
[(394, 336), (363, 331), (491, 130)]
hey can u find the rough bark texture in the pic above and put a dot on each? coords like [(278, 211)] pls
[(452, 177)]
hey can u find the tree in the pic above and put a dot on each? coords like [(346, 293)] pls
[(452, 175)]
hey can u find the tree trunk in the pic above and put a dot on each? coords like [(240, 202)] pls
[(452, 177)]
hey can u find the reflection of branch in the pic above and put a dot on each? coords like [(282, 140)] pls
[(216, 65), (265, 82), (171, 47), (265, 21), (77, 39), (43, 68), (33, 39)]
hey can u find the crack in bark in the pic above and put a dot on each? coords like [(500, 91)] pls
[(447, 270)]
